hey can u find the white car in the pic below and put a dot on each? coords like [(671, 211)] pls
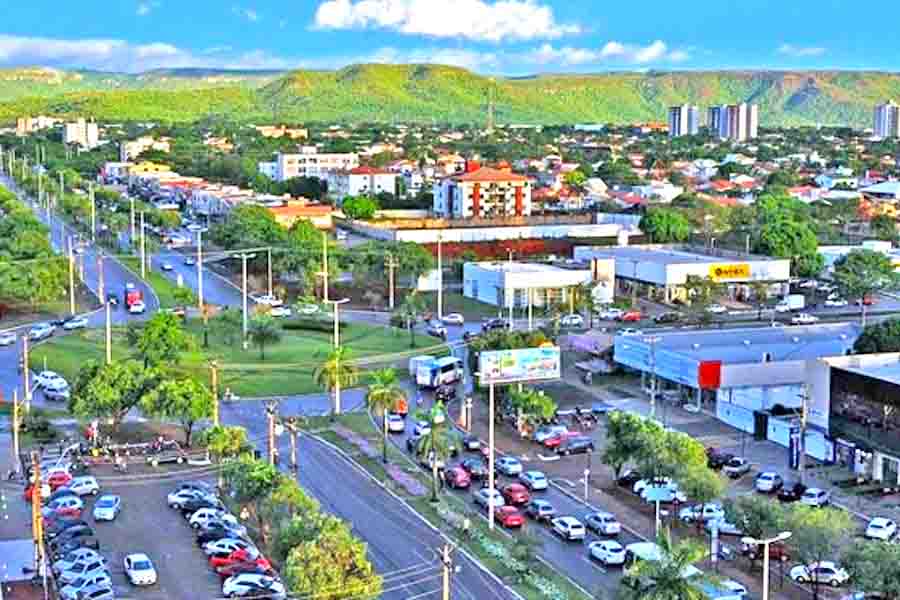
[(253, 585), (205, 515), (166, 266), (75, 323), (701, 512), (815, 497), (568, 528), (822, 572), (396, 423), (835, 302), (454, 319), (8, 338), (84, 485), (881, 528), (177, 498), (631, 331), (572, 321), (40, 331), (603, 523), (269, 300), (670, 493), (782, 307), (421, 428), (137, 308), (308, 309), (485, 497), (107, 507), (734, 587), (804, 319), (608, 552), (716, 309), (75, 556), (49, 378), (228, 545), (768, 482), (281, 311), (139, 569), (611, 314), (533, 480), (509, 466), (723, 526), (195, 227)]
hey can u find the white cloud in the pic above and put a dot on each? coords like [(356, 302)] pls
[(481, 20), (246, 13), (611, 53), (800, 51)]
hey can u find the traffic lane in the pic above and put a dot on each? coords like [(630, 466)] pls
[(216, 289)]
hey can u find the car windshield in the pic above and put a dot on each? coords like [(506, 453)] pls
[(142, 565), (106, 503)]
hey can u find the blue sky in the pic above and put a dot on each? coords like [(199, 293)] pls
[(489, 36)]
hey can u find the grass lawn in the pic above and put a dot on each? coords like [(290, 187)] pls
[(455, 302), (164, 287), (287, 369)]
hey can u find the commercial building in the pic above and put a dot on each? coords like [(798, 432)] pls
[(754, 379), (292, 211), (482, 192), (308, 163), (280, 131), (510, 283), (134, 148), (82, 133), (737, 122), (27, 125), (832, 254), (361, 181), (684, 120), (660, 271), (886, 120)]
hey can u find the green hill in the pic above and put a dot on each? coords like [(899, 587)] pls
[(377, 92)]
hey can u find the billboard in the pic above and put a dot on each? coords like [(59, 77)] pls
[(729, 272), (526, 364)]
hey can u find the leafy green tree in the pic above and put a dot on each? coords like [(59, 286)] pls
[(627, 438), (263, 330), (383, 393), (665, 225), (874, 567), (226, 441), (184, 296), (110, 391), (250, 483), (409, 311), (864, 272), (334, 560), (336, 373), (532, 407), (227, 325), (791, 239), (434, 446), (247, 226), (360, 208), (304, 526), (668, 578), (702, 485), (185, 400), (575, 179), (818, 534), (879, 337), (162, 340), (884, 227), (757, 517)]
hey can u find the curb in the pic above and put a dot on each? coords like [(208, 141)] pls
[(340, 452)]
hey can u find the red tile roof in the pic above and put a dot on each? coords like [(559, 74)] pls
[(301, 210), (487, 174), (368, 171)]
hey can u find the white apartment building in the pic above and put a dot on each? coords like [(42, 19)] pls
[(887, 120), (736, 121), (483, 193), (83, 133), (684, 120), (361, 181), (134, 148), (308, 163), (26, 125)]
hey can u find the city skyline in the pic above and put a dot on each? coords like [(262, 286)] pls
[(515, 37)]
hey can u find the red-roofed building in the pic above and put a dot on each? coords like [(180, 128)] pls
[(318, 214), (361, 181), (483, 192)]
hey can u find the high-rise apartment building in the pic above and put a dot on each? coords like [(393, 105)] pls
[(887, 120), (684, 120), (26, 125), (737, 122), (309, 162), (83, 133)]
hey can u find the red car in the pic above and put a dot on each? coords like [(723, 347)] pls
[(58, 479), (238, 556), (509, 517), (632, 316), (260, 566), (556, 440), (457, 478), (516, 494), (70, 513)]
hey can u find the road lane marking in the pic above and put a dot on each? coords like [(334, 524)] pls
[(548, 458)]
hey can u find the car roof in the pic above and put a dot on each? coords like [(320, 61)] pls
[(880, 521), (601, 514), (534, 474), (138, 556), (569, 519)]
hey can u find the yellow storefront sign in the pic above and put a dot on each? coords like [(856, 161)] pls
[(728, 272)]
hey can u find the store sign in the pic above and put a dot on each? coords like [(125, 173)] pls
[(794, 448), (728, 272), (526, 364)]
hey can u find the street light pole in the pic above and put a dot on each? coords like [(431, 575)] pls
[(143, 248), (200, 270), (131, 239), (652, 341), (491, 456), (324, 266), (93, 213), (440, 269), (765, 544), (269, 252), (337, 321), (391, 265), (244, 258)]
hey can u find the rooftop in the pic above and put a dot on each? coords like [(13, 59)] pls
[(17, 556), (521, 267), (672, 254), (889, 373), (487, 174)]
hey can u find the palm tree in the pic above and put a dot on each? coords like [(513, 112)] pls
[(263, 330), (382, 395), (413, 305), (435, 445), (338, 371), (670, 577)]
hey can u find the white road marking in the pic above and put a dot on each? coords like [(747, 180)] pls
[(548, 458)]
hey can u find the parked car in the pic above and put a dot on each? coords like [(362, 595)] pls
[(485, 497), (457, 478), (509, 465), (137, 308), (84, 485), (602, 523), (107, 507), (569, 528), (215, 531), (97, 587), (192, 505), (48, 378), (492, 324), (607, 552), (716, 309), (476, 468), (534, 480), (768, 482), (167, 266), (269, 300), (737, 467), (281, 311), (628, 478), (67, 504), (209, 515), (544, 432), (74, 557), (835, 303), (777, 551), (576, 445), (822, 572), (86, 568), (816, 497), (611, 314), (259, 566), (516, 494), (572, 321), (723, 526), (540, 510), (717, 459), (631, 316), (227, 546), (396, 423), (509, 517), (190, 261), (557, 440), (253, 585), (445, 393), (40, 331), (8, 338), (881, 528), (68, 544), (177, 498), (667, 318), (454, 319), (701, 512), (75, 323), (139, 569), (435, 329), (471, 443)]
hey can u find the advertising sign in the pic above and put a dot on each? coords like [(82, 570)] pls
[(526, 364), (729, 272), (794, 447)]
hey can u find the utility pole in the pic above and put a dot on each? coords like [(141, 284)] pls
[(325, 266), (530, 309), (25, 377), (447, 567), (244, 295), (108, 332), (37, 519), (391, 265), (491, 474), (804, 418), (271, 407), (214, 386), (131, 239), (440, 268), (17, 461), (292, 429), (71, 278), (143, 248), (100, 286), (200, 270), (652, 341), (93, 213), (269, 252)]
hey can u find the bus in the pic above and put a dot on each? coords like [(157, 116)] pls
[(438, 372)]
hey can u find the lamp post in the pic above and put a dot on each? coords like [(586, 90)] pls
[(652, 341), (765, 544), (337, 322), (244, 258)]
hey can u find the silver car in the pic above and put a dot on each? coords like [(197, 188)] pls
[(83, 569), (72, 590)]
